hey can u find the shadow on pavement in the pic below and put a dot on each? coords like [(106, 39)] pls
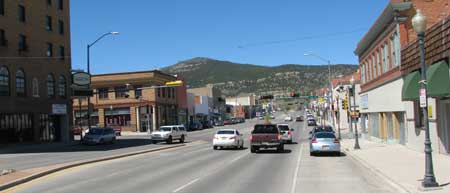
[(232, 149), (269, 151), (76, 146), (329, 154), (293, 143)]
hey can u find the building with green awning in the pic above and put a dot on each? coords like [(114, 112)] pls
[(438, 82)]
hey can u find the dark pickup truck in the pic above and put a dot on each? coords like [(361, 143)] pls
[(266, 136)]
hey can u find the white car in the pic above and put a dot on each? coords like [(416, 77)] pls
[(286, 132), (228, 138), (169, 133), (288, 118)]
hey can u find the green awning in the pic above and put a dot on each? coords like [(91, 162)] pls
[(438, 80), (410, 90)]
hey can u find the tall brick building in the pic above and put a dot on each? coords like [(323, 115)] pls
[(387, 113), (34, 71)]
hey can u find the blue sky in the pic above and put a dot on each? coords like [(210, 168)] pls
[(158, 33)]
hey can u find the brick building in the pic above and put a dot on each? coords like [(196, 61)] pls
[(126, 100), (35, 65), (381, 62)]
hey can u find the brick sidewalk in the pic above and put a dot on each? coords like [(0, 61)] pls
[(399, 165)]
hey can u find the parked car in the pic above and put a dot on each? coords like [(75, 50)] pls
[(234, 121), (227, 122), (299, 119), (99, 136), (195, 125), (324, 142), (206, 124), (312, 122), (228, 138), (218, 123), (77, 130), (265, 136), (261, 117), (169, 133), (286, 132)]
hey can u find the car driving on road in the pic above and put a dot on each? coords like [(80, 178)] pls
[(100, 136), (324, 142), (169, 133), (286, 133), (228, 138), (266, 136)]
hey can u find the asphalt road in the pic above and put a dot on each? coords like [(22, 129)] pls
[(197, 168)]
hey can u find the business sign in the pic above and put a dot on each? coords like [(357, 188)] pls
[(423, 98), (59, 109), (364, 101), (81, 79)]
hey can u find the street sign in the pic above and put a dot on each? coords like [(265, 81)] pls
[(59, 109), (81, 78), (422, 98), (174, 83)]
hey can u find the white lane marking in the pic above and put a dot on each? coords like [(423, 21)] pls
[(237, 158), (186, 185), (297, 168)]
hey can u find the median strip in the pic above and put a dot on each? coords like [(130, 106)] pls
[(46, 172)]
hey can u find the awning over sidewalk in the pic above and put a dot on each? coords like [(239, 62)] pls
[(410, 90), (438, 80)]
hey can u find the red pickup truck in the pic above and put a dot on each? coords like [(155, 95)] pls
[(266, 136)]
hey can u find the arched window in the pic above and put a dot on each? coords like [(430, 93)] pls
[(4, 81), (20, 83), (50, 86), (62, 86), (35, 85)]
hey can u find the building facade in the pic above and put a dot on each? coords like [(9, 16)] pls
[(127, 100), (216, 103), (384, 108), (35, 64)]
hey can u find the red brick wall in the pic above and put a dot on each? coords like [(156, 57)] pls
[(437, 47)]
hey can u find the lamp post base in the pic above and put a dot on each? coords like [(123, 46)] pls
[(429, 182)]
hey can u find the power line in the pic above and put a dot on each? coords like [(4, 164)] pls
[(300, 38)]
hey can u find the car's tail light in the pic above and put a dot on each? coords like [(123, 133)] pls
[(336, 140), (289, 132), (251, 138), (279, 137), (314, 140), (233, 138)]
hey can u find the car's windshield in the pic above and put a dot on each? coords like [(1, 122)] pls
[(165, 129), (283, 127), (265, 129), (96, 131), (225, 132), (324, 135)]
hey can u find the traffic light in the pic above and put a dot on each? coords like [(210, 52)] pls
[(345, 102)]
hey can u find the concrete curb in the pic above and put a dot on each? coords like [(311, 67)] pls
[(398, 187), (79, 163)]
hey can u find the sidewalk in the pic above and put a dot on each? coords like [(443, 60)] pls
[(399, 165)]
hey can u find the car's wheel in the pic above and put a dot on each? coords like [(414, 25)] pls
[(338, 154), (154, 142), (290, 141), (113, 140), (280, 148), (311, 153), (169, 140), (101, 141), (253, 149), (215, 147), (182, 139)]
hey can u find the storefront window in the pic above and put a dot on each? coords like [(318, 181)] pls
[(118, 117)]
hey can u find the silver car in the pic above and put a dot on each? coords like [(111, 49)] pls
[(324, 142), (99, 136)]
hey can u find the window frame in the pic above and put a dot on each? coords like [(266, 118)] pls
[(120, 92), (22, 16), (60, 4), (2, 7), (23, 43), (48, 23), (61, 27), (49, 52), (62, 53), (50, 86), (22, 82), (5, 78), (62, 86), (103, 93), (3, 40), (35, 87), (137, 91)]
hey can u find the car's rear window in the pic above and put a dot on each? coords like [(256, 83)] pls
[(265, 129), (225, 132), (325, 135), (283, 127)]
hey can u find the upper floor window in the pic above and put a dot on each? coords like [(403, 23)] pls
[(20, 83), (395, 49), (23, 43), (62, 86), (60, 4), (374, 66), (103, 93), (49, 2), (164, 92), (50, 86), (62, 52), (385, 51), (158, 90), (137, 91), (173, 92), (363, 78), (35, 85), (2, 7), (4, 81), (49, 52), (48, 23), (121, 91), (2, 38), (60, 27), (21, 13)]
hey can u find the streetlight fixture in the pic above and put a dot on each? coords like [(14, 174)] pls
[(329, 79), (352, 82), (89, 71), (419, 23)]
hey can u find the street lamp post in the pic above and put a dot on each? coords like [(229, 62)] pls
[(89, 71), (352, 81), (330, 98), (419, 23)]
